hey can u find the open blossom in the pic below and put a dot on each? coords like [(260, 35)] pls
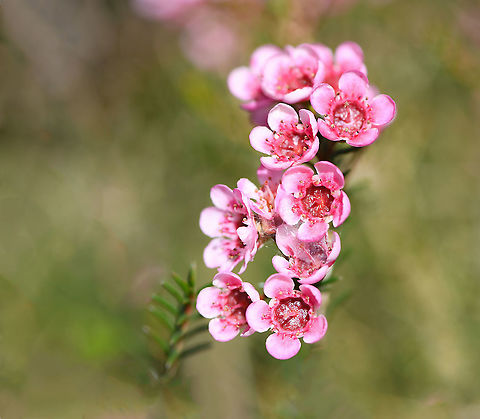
[(309, 261), (289, 141), (245, 83), (291, 315), (348, 57), (226, 303), (313, 198), (291, 75), (231, 224), (350, 115)]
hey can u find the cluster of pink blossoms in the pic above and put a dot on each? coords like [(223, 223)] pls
[(300, 194)]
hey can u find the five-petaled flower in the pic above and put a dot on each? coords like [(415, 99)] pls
[(226, 303), (350, 115), (291, 315)]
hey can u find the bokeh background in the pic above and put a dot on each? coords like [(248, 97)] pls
[(115, 121)]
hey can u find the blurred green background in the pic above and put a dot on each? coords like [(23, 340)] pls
[(110, 139)]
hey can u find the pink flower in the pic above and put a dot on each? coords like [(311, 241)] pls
[(289, 141), (231, 224), (350, 115), (315, 199), (291, 314), (348, 56), (245, 83), (262, 201), (308, 261), (291, 75), (225, 303)]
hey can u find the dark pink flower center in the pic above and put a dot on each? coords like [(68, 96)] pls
[(235, 305), (309, 258), (349, 117), (291, 142), (291, 314), (294, 79), (317, 201)]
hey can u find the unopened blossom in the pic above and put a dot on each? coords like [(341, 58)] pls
[(307, 260), (291, 76), (289, 140), (231, 225), (350, 114), (348, 57), (291, 314), (314, 199), (226, 303), (245, 83)]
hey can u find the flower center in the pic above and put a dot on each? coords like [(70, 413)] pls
[(291, 142), (293, 79), (292, 314), (349, 117), (310, 257), (317, 201), (235, 306)]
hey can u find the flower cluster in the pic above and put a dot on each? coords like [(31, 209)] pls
[(300, 197)]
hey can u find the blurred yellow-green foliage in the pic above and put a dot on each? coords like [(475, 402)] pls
[(110, 139)]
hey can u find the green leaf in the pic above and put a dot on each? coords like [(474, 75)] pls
[(181, 283), (174, 293), (326, 282), (195, 349), (160, 315), (191, 277), (165, 304), (338, 301)]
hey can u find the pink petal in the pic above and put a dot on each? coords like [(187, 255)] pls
[(208, 302), (247, 187), (258, 316), (221, 330), (343, 212), (259, 139), (251, 291), (227, 280), (286, 239), (243, 84), (216, 256), (312, 151), (248, 331), (312, 232), (280, 264), (282, 346), (283, 205), (296, 178), (281, 114), (317, 276), (349, 56), (308, 120), (273, 163), (324, 53), (211, 220), (278, 286), (321, 98), (313, 294), (327, 170), (298, 95), (353, 84), (273, 177), (326, 131), (382, 110), (365, 138), (273, 70), (317, 330), (260, 57), (336, 246), (222, 197)]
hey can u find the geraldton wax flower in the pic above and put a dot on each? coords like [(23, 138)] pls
[(226, 303), (314, 199), (350, 115), (291, 315), (288, 141)]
